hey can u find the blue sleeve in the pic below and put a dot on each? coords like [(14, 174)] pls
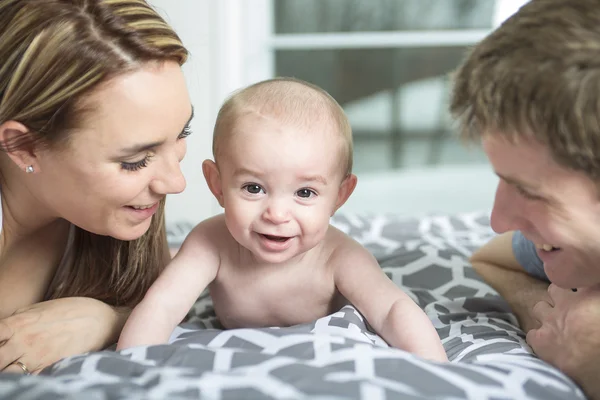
[(526, 255)]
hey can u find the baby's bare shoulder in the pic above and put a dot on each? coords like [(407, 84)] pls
[(338, 240), (211, 226), (341, 247), (212, 231)]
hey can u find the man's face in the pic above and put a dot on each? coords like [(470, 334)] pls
[(556, 208)]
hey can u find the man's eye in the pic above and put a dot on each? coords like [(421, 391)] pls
[(526, 194), (253, 188), (305, 193)]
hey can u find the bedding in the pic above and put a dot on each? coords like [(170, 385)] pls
[(338, 356)]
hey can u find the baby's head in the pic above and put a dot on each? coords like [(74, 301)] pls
[(288, 102), (283, 165)]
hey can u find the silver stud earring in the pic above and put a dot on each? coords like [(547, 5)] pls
[(29, 169)]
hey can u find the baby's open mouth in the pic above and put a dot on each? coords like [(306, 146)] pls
[(275, 238)]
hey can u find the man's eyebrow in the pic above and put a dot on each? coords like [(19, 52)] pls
[(140, 148), (517, 182)]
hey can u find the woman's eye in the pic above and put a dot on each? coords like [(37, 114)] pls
[(305, 193), (253, 188), (187, 131), (137, 165)]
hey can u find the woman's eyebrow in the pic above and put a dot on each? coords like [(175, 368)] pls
[(191, 117), (140, 148)]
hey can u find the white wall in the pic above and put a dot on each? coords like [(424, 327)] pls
[(193, 20), (419, 191), (229, 51), (216, 34)]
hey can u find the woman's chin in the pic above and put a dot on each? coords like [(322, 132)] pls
[(129, 233)]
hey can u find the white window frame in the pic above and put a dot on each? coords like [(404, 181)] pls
[(246, 42), (244, 52)]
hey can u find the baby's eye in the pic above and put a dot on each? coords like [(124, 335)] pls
[(253, 188), (305, 193)]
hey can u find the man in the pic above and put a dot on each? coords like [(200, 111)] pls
[(530, 93)]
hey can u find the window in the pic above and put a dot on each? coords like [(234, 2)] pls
[(387, 62)]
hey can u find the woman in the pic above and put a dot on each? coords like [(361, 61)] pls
[(93, 116)]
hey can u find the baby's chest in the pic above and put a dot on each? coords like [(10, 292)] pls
[(272, 298)]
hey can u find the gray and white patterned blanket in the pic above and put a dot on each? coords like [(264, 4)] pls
[(335, 357)]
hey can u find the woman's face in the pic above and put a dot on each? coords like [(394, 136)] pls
[(125, 158)]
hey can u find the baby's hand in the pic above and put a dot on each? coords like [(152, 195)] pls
[(407, 327)]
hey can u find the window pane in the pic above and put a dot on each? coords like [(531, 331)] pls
[(315, 16), (396, 100)]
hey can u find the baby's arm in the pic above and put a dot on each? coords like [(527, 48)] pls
[(390, 311), (173, 294)]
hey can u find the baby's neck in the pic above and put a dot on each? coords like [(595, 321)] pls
[(251, 260)]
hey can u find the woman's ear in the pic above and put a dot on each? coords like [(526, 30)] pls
[(17, 142), (213, 179), (346, 188)]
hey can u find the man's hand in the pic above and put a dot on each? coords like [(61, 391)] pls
[(569, 334), (43, 333)]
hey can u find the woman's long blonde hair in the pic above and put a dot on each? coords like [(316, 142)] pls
[(52, 54)]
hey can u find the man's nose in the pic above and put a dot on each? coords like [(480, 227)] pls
[(507, 213)]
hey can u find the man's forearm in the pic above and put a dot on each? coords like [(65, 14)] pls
[(587, 377), (520, 290)]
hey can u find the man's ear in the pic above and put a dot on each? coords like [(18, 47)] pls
[(17, 141), (346, 188), (213, 179)]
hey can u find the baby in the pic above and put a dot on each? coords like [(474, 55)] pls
[(283, 166)]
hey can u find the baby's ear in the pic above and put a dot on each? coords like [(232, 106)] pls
[(346, 188), (213, 179), (17, 141)]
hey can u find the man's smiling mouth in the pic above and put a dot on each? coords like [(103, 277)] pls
[(547, 247)]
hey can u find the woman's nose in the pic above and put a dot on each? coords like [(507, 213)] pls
[(169, 179)]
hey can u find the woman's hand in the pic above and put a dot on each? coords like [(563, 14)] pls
[(41, 334)]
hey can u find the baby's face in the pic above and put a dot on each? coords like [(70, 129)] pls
[(280, 186)]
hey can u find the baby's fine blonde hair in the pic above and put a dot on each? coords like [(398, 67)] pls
[(290, 101)]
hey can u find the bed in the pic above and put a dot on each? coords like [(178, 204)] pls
[(335, 357)]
